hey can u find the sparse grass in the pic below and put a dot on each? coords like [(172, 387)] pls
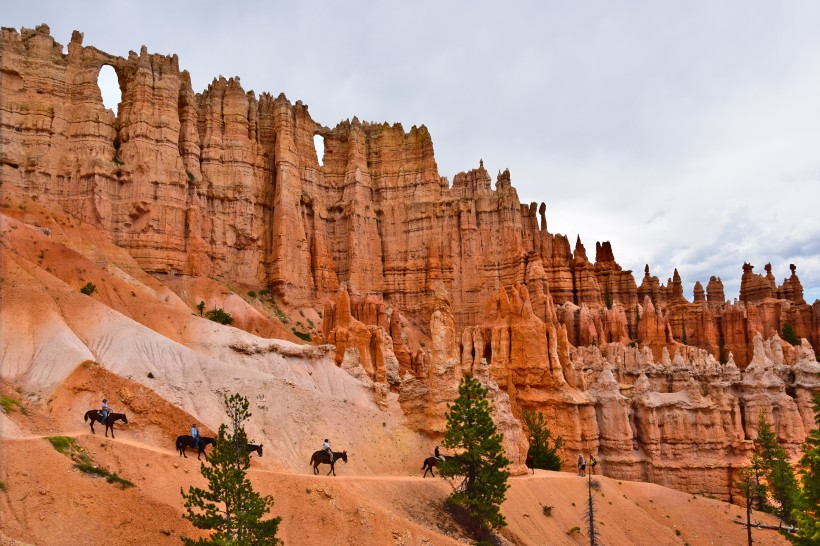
[(3, 486), (118, 160), (69, 447), (9, 404), (301, 335), (89, 363), (574, 530), (283, 318)]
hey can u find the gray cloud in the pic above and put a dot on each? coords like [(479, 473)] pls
[(687, 134)]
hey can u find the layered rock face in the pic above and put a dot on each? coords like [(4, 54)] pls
[(227, 184)]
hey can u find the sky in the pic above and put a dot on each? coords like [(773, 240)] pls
[(685, 133)]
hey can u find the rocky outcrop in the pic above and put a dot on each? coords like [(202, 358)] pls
[(227, 184)]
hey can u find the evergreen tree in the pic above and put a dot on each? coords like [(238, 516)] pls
[(775, 466), (481, 460), (541, 454), (749, 484), (808, 512), (592, 531), (789, 335), (230, 507)]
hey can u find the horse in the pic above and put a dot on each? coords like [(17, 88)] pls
[(94, 415), (321, 457), (253, 447), (188, 441), (432, 462), (529, 463)]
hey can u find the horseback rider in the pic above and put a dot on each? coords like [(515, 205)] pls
[(104, 410), (326, 448), (195, 435), (438, 455)]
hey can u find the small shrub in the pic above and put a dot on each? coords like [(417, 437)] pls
[(252, 294), (9, 405), (118, 160), (264, 292), (3, 486), (190, 176), (219, 315), (677, 532), (88, 289), (573, 530), (301, 312), (150, 375), (200, 307), (547, 511), (305, 336), (789, 335)]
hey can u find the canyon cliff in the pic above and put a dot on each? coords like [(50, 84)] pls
[(228, 185)]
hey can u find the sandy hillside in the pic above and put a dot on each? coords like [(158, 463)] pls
[(140, 344)]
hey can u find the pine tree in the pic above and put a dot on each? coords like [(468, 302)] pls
[(589, 515), (775, 467), (481, 460), (230, 507), (789, 335), (749, 484), (808, 512), (541, 454)]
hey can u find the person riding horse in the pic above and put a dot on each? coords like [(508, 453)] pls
[(104, 411), (195, 435), (438, 455), (326, 448)]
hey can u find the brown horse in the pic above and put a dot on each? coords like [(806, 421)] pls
[(321, 457), (256, 448), (432, 462), (94, 416), (188, 441)]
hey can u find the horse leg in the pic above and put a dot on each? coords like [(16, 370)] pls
[(112, 431), (91, 424)]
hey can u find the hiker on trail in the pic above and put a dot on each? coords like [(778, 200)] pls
[(582, 465), (593, 462), (104, 410), (438, 455), (326, 448), (195, 435)]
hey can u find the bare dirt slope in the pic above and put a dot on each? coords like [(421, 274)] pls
[(45, 493)]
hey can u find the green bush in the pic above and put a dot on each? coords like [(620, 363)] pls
[(301, 335), (219, 315), (10, 404), (789, 335), (88, 289), (251, 294)]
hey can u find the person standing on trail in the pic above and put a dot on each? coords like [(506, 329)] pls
[(593, 462), (195, 435), (582, 465), (104, 410)]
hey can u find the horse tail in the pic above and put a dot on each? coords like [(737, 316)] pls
[(85, 417), (179, 442)]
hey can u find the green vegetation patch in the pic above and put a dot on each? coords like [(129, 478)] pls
[(9, 404), (219, 315), (69, 447)]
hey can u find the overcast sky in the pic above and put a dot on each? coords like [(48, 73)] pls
[(686, 133)]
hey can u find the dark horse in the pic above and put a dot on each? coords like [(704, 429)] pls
[(188, 441), (432, 462), (94, 415), (256, 448), (321, 457)]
